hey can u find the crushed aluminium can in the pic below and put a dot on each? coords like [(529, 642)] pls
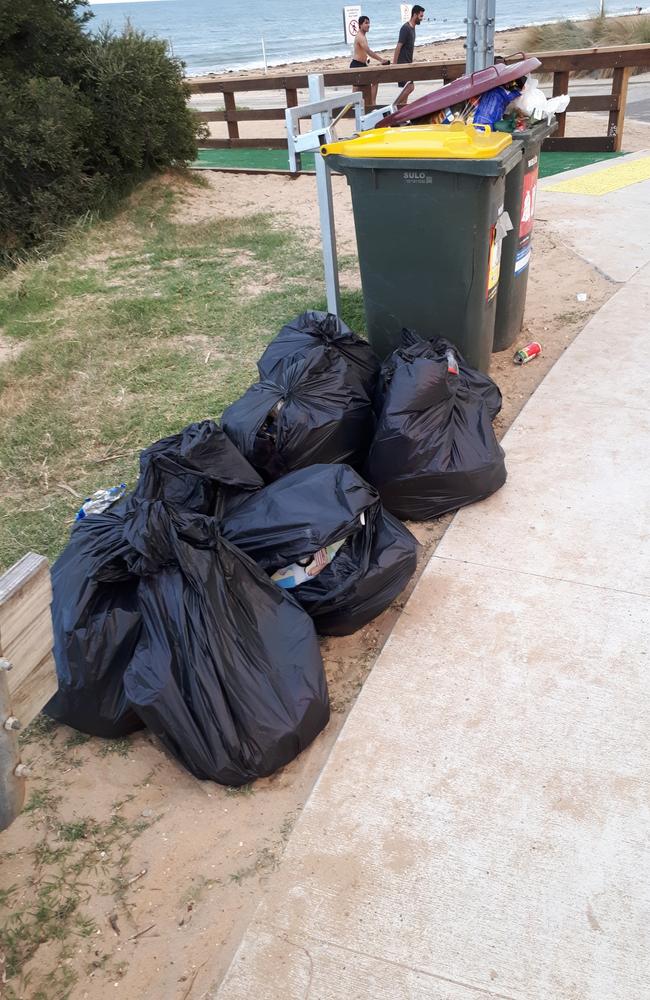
[(452, 363), (527, 353)]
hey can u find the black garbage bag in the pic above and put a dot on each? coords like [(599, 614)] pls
[(435, 449), (228, 672), (95, 610), (312, 329), (440, 349), (197, 470), (311, 411), (96, 622), (295, 526)]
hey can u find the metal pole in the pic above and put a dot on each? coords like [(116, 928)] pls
[(325, 203), (470, 44), (266, 68), (481, 34), (491, 22)]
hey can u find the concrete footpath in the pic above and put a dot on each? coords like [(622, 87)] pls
[(481, 828)]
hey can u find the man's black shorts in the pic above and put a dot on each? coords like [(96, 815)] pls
[(355, 64)]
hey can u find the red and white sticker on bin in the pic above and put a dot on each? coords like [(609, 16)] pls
[(528, 198)]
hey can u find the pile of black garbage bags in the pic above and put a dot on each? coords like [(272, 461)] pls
[(192, 606)]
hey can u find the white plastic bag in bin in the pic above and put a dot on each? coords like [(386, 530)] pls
[(536, 105)]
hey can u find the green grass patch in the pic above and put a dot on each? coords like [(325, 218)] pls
[(139, 326)]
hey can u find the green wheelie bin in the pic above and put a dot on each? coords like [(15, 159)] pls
[(521, 191), (429, 215)]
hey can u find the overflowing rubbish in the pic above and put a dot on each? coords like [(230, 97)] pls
[(370, 556), (312, 410), (227, 673), (192, 605), (435, 449), (100, 501), (527, 353), (461, 92), (503, 96), (492, 105), (515, 106), (532, 103)]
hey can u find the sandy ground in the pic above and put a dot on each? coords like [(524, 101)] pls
[(192, 879)]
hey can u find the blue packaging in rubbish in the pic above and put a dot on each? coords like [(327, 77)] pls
[(492, 105), (100, 501)]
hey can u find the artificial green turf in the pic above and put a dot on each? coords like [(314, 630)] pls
[(276, 159), (559, 163), (252, 159)]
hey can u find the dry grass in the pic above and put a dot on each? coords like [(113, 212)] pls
[(633, 29), (137, 327)]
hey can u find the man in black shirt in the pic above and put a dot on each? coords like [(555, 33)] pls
[(405, 46)]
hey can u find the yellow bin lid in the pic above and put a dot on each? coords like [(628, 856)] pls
[(423, 142)]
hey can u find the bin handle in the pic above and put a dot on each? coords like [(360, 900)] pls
[(483, 71), (520, 56)]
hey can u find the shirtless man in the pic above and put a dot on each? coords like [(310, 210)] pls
[(363, 53)]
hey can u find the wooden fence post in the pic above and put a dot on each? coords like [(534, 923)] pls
[(560, 86), (617, 115), (231, 110)]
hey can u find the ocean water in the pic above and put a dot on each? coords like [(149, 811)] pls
[(214, 35)]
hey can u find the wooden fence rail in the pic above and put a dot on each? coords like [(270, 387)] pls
[(561, 65)]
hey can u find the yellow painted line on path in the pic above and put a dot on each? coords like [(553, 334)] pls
[(609, 179)]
